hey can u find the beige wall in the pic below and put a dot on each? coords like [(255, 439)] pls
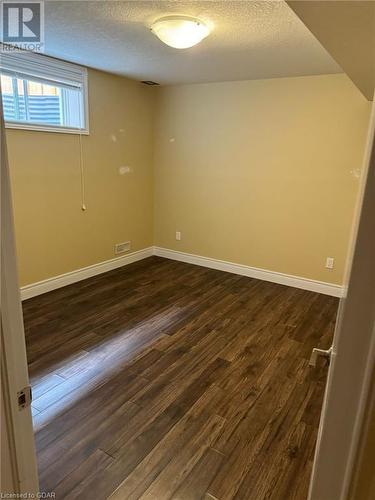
[(347, 31), (261, 173), (53, 235)]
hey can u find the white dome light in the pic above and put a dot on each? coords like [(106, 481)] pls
[(180, 32)]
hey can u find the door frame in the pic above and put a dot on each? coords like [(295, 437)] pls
[(349, 377), (14, 369), (338, 437)]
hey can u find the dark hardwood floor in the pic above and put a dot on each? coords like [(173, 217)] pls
[(163, 380)]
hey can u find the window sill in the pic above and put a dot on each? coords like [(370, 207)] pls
[(44, 128)]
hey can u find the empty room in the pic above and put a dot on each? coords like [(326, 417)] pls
[(187, 284)]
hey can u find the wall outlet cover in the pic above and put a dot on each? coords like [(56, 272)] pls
[(330, 262)]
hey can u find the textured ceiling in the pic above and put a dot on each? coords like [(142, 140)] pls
[(249, 40)]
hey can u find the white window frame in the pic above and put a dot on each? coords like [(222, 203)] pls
[(34, 66)]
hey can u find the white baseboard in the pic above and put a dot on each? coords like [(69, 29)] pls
[(252, 272), (50, 284)]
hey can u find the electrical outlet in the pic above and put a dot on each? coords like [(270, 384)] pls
[(178, 235), (330, 262), (122, 247)]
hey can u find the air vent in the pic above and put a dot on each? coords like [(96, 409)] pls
[(150, 82), (122, 247)]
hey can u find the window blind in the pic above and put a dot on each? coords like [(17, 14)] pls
[(25, 107), (43, 69)]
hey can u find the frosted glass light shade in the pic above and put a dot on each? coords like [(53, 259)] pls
[(180, 32)]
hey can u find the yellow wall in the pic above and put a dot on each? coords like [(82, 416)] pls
[(53, 235), (260, 173), (347, 31)]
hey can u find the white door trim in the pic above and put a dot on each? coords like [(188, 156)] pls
[(13, 358), (347, 390)]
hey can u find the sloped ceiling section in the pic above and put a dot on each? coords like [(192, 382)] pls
[(347, 31)]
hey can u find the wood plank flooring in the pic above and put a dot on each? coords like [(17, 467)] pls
[(164, 380)]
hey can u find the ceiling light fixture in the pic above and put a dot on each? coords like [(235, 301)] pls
[(180, 32)]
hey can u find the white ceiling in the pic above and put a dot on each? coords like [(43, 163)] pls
[(249, 40)]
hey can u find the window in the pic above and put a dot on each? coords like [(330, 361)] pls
[(41, 93)]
